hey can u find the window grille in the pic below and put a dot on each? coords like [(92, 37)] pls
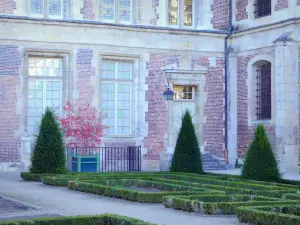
[(263, 92), (262, 8), (37, 7), (125, 10), (54, 8), (108, 10)]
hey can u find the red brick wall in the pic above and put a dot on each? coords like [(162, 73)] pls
[(88, 10), (220, 10), (9, 121), (241, 10), (157, 106), (7, 6), (281, 4), (244, 131), (214, 105), (85, 72)]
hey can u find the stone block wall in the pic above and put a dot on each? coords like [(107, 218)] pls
[(9, 120)]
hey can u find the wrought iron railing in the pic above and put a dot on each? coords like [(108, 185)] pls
[(104, 159)]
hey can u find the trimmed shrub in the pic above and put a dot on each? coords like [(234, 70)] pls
[(219, 204), (273, 215), (31, 176), (105, 219), (187, 157), (49, 150), (260, 162)]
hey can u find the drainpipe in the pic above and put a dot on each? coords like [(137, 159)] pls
[(226, 53)]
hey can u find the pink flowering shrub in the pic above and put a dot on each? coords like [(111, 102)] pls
[(83, 126)]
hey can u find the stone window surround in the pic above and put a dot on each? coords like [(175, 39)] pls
[(180, 14), (46, 14), (65, 56), (195, 78), (135, 101), (251, 83), (117, 12)]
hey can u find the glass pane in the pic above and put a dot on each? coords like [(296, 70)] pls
[(188, 13), (54, 7), (37, 7), (31, 93), (49, 94), (56, 85), (53, 67), (108, 70), (173, 12), (183, 92), (125, 10), (49, 85), (35, 66), (108, 10), (56, 95), (39, 94)]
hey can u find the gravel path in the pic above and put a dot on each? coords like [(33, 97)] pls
[(55, 200)]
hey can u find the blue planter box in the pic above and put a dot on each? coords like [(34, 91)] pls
[(85, 163)]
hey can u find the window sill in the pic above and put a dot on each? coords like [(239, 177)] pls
[(263, 122)]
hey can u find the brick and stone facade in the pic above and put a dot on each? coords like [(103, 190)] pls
[(10, 63), (160, 54), (281, 4), (7, 6), (241, 10)]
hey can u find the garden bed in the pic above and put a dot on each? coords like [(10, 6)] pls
[(82, 220), (219, 204), (271, 215), (8, 205)]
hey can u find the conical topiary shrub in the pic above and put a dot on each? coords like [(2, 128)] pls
[(260, 162), (187, 157), (49, 150)]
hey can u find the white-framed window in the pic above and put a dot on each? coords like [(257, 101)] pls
[(119, 11), (181, 13), (184, 92), (116, 96), (46, 8), (44, 89)]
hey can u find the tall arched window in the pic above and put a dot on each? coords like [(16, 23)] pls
[(263, 91)]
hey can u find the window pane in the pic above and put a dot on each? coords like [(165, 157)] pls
[(37, 7), (124, 70), (108, 105), (53, 67), (125, 10), (173, 12), (108, 12), (108, 70), (35, 66), (188, 13), (183, 92), (54, 7)]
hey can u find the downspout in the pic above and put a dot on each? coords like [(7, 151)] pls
[(226, 53)]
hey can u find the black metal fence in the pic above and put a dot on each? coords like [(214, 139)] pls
[(104, 159)]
